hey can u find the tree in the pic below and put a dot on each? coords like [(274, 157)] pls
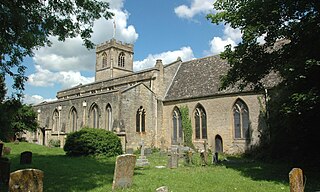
[(27, 25), (18, 118), (291, 32)]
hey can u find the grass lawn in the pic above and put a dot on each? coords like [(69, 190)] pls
[(63, 173)]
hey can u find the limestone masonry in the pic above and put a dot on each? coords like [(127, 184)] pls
[(145, 105)]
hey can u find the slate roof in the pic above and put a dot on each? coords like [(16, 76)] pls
[(201, 77), (197, 78)]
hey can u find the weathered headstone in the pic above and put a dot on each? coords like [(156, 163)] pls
[(142, 160), (129, 151), (123, 172), (6, 150), (26, 180), (162, 189), (4, 171), (147, 151), (173, 160), (1, 148), (296, 180), (215, 158), (203, 156), (26, 157)]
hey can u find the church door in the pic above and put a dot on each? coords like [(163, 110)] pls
[(218, 144)]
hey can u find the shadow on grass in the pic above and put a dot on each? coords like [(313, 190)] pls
[(63, 173), (275, 172)]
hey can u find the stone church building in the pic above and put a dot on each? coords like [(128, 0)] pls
[(145, 105)]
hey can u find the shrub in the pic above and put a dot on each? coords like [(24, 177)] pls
[(90, 141), (54, 143)]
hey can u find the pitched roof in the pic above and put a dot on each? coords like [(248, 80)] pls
[(201, 77), (197, 78)]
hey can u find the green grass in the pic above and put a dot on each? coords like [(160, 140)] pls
[(94, 174)]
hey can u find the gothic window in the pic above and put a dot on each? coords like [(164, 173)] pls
[(241, 120), (55, 122), (94, 116), (177, 126), (121, 60), (140, 120), (109, 118), (104, 60), (73, 119), (200, 119)]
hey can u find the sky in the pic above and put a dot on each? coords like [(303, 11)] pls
[(159, 29)]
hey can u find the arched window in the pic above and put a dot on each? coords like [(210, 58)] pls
[(73, 119), (94, 116), (140, 120), (177, 136), (121, 60), (241, 120), (200, 119), (55, 122), (108, 118), (104, 60)]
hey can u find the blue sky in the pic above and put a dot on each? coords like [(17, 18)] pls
[(159, 29)]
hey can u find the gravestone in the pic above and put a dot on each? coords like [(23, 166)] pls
[(162, 189), (296, 180), (26, 180), (215, 158), (1, 148), (6, 150), (4, 171), (203, 158), (123, 172), (173, 160), (142, 160), (129, 151), (147, 151), (26, 157)]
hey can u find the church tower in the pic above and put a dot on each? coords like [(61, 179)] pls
[(113, 59)]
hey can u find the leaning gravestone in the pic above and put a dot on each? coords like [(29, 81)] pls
[(296, 180), (123, 172), (26, 157), (26, 180)]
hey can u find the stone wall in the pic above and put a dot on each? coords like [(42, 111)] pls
[(219, 120)]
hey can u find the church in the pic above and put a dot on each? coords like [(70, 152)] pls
[(145, 105)]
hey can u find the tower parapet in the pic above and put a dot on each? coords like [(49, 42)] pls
[(113, 59)]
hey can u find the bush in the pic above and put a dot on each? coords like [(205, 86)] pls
[(54, 143), (90, 141)]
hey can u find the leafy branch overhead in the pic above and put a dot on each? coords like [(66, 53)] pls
[(290, 30), (26, 25)]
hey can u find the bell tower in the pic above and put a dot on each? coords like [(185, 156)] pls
[(113, 59)]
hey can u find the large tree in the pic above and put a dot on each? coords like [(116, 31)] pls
[(26, 25), (291, 30)]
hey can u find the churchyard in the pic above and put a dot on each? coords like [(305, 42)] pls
[(64, 173)]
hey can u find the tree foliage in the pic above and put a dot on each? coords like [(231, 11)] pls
[(27, 25), (291, 32), (16, 118)]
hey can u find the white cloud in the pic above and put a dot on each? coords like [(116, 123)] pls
[(231, 37), (197, 7), (35, 99), (45, 78), (185, 53), (217, 45), (63, 61)]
